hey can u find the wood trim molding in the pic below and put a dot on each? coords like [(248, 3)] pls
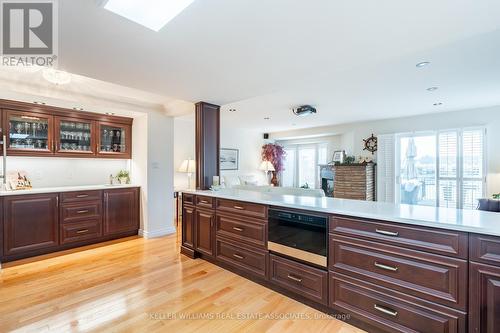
[(207, 144)]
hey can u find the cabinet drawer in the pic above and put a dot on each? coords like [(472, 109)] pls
[(81, 211), (188, 199), (246, 230), (79, 231), (429, 276), (67, 197), (206, 202), (247, 259), (389, 313), (485, 249), (449, 243), (309, 282), (242, 208)]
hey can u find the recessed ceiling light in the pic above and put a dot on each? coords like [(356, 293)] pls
[(110, 113), (432, 89), (266, 118), (39, 103), (153, 14), (77, 108), (438, 104), (232, 110), (422, 64)]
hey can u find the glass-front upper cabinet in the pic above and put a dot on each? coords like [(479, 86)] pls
[(74, 136), (28, 133), (114, 140)]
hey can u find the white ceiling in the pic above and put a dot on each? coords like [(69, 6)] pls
[(353, 60)]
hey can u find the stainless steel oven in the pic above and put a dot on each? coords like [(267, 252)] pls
[(299, 235)]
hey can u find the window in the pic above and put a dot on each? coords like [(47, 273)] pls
[(443, 168), (302, 164)]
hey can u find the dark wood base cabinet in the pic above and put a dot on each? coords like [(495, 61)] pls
[(35, 224), (387, 277)]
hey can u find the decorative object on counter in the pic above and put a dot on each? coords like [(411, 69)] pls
[(275, 154), (338, 156), (18, 180), (349, 159), (111, 180), (267, 167), (371, 144), (365, 160), (229, 159), (215, 181), (123, 177), (189, 167), (216, 188)]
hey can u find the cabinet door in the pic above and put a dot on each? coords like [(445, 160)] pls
[(204, 231), (31, 223), (28, 133), (121, 211), (74, 137), (188, 218), (484, 302), (114, 140)]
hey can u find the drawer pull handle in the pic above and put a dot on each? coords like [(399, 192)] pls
[(294, 278), (203, 201), (82, 211), (385, 310), (238, 229), (238, 256), (239, 207), (82, 196), (386, 267), (82, 231), (387, 233)]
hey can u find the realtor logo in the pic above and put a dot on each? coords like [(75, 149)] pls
[(29, 32)]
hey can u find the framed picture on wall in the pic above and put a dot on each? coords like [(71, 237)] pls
[(229, 159), (338, 156)]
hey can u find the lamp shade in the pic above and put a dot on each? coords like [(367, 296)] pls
[(266, 166), (187, 166)]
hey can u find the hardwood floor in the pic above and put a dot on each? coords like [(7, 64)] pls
[(139, 285)]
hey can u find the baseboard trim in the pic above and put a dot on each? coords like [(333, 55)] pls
[(157, 233)]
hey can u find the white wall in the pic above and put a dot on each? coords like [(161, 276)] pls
[(352, 135), (249, 143), (55, 171), (184, 148)]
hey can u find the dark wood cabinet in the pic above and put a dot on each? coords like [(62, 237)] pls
[(188, 221), (205, 231), (121, 211), (484, 298), (42, 130), (207, 144), (31, 223)]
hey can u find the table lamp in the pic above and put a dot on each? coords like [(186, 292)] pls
[(267, 166), (188, 166)]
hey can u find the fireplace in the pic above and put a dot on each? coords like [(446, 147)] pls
[(327, 175)]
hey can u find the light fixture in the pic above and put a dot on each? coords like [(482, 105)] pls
[(188, 166), (422, 64), (266, 118), (232, 110), (110, 113), (56, 76), (153, 14), (432, 89), (77, 108), (267, 166), (304, 110), (39, 103), (438, 104)]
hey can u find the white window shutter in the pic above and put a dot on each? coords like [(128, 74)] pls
[(385, 167)]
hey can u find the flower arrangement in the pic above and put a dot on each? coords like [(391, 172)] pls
[(275, 154), (123, 177)]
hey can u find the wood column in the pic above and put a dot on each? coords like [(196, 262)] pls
[(207, 144)]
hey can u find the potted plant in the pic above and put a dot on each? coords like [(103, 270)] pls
[(275, 154), (123, 177)]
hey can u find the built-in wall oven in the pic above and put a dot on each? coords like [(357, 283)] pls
[(298, 235)]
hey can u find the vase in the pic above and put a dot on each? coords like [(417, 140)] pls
[(274, 180)]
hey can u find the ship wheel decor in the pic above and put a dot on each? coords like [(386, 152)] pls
[(371, 144)]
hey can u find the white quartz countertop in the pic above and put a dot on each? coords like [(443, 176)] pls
[(487, 223), (65, 189)]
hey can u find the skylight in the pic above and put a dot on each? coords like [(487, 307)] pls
[(153, 14)]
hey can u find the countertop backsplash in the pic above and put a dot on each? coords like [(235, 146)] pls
[(56, 172)]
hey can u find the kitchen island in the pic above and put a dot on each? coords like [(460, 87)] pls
[(392, 268)]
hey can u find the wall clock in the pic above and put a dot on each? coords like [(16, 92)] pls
[(371, 144)]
